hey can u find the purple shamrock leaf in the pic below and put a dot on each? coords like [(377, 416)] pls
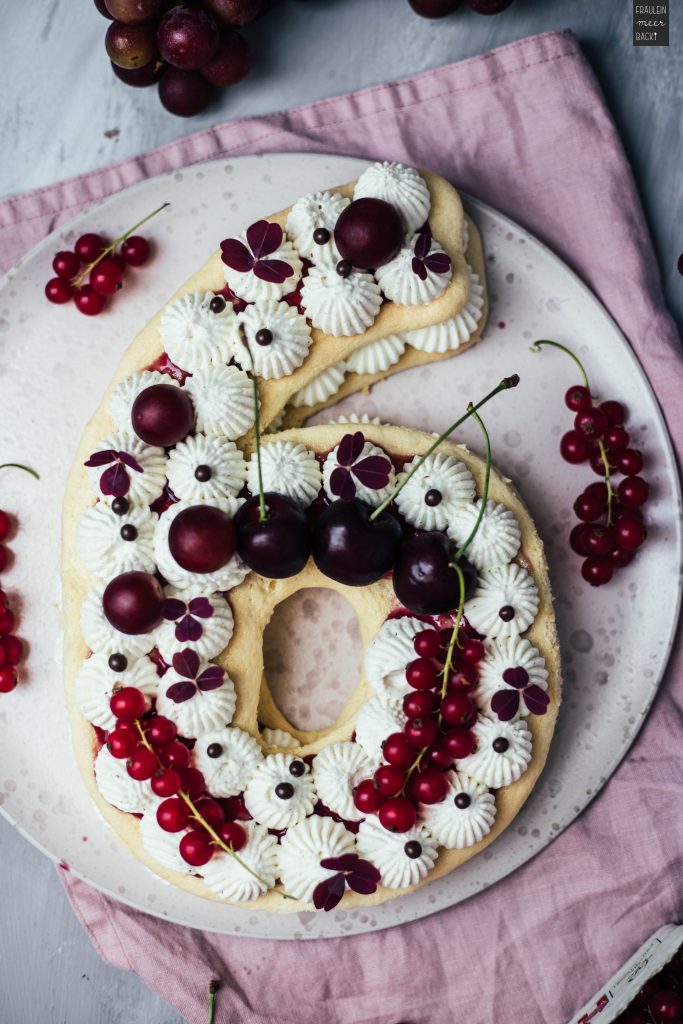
[(373, 471), (424, 260), (422, 244), (129, 461), (180, 692), (186, 663), (364, 886), (101, 458), (115, 481), (172, 609), (327, 894), (201, 607), (347, 862), (536, 700), (341, 484), (188, 630), (364, 869), (517, 677), (236, 255), (211, 678), (419, 268), (505, 704), (264, 238), (275, 271), (438, 262), (350, 447)]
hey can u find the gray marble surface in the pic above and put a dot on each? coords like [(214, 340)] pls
[(63, 113)]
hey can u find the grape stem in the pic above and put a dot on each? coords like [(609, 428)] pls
[(257, 427), (80, 278), (18, 465), (505, 384), (536, 347)]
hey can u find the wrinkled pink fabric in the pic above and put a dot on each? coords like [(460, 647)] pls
[(526, 129)]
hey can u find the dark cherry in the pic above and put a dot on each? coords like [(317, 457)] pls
[(278, 546), (369, 233), (462, 801), (284, 791), (202, 473), (489, 6), (120, 506), (344, 268), (214, 750), (412, 849), (202, 538), (132, 602), (500, 744), (128, 532), (423, 579), (263, 337), (434, 8), (351, 548), (433, 497), (162, 415), (118, 662), (321, 236), (297, 769), (217, 304)]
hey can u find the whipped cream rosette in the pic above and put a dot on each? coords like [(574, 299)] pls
[(124, 394), (110, 544), (389, 654), (223, 402), (162, 845), (311, 222), (450, 334), (418, 275), (101, 637), (123, 466), (287, 468), (197, 695), (197, 332), (378, 718), (357, 468), (302, 849), (465, 815), (321, 387), (203, 623), (436, 491), (502, 753), (277, 339), (281, 791), (118, 788), (505, 601), (497, 539), (402, 858), (340, 305), (97, 681), (403, 187), (261, 264), (247, 878), (511, 675), (337, 770), (279, 738), (378, 356), (203, 468), (227, 758)]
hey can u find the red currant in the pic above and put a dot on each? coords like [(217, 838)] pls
[(90, 246), (397, 814), (598, 490), (578, 539), (397, 749), (620, 558), (195, 848), (135, 250), (6, 621), (463, 678), (106, 277), (617, 438), (438, 756), (600, 539), (458, 743), (165, 782), (5, 525), (128, 703), (121, 743), (421, 674), (88, 301), (173, 815), (666, 1005), (8, 678), (367, 798), (588, 508), (574, 447), (421, 731), (161, 731), (631, 532), (429, 786), (174, 755), (578, 397), (472, 651), (233, 835), (389, 780), (633, 491), (592, 423), (614, 411), (597, 463), (629, 462), (193, 781), (458, 709), (66, 264), (597, 571), (142, 764), (427, 644), (235, 809), (58, 290), (210, 811), (419, 703), (12, 649)]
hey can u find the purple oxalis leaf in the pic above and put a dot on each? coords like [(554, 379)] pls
[(327, 894), (347, 862), (211, 678), (172, 609), (180, 692), (186, 663), (264, 238), (422, 245), (341, 484), (236, 255), (536, 699), (419, 268), (201, 607), (438, 262), (275, 271), (129, 461), (517, 677), (505, 704), (364, 886), (115, 481), (373, 471), (364, 869), (188, 630), (350, 447), (101, 458)]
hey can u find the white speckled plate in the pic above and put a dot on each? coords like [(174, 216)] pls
[(56, 364)]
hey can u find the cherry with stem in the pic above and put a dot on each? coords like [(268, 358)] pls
[(85, 273)]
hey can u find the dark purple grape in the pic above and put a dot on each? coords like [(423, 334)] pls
[(188, 38), (131, 46), (278, 546), (234, 13), (140, 77), (434, 8), (99, 4), (231, 62), (184, 93), (132, 12), (488, 6)]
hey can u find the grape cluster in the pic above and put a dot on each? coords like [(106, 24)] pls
[(11, 647), (440, 8), (187, 49), (660, 1000)]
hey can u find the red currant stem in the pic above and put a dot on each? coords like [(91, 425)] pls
[(505, 384), (18, 465), (454, 634), (536, 347), (213, 988), (257, 427), (413, 768), (80, 278), (608, 480), (202, 821)]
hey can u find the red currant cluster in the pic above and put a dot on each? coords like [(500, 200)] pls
[(150, 746), (438, 731), (103, 273), (660, 1000), (11, 647), (440, 8)]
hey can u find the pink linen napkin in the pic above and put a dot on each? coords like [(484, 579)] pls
[(525, 128)]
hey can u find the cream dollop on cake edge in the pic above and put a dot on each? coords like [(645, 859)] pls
[(373, 604)]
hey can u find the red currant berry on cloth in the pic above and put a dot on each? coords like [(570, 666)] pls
[(421, 674), (574, 447), (666, 1005), (66, 264), (58, 290), (165, 782), (367, 797), (397, 814), (5, 526), (233, 835), (630, 531), (617, 438), (195, 848), (174, 755), (578, 539), (106, 277), (629, 462), (121, 743), (135, 250), (173, 815), (142, 764), (429, 786), (592, 423), (90, 246), (458, 743), (88, 301), (419, 704), (389, 780), (127, 704), (597, 571), (614, 411), (427, 644), (458, 709), (6, 618), (397, 749), (588, 508), (633, 491), (161, 730), (421, 731), (578, 397), (8, 678), (12, 649)]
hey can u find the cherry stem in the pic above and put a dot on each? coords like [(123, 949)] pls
[(536, 347), (257, 427), (204, 823), (18, 465), (505, 384), (213, 988), (80, 278)]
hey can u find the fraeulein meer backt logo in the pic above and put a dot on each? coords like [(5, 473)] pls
[(650, 24)]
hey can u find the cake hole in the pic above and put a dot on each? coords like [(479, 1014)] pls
[(312, 654)]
